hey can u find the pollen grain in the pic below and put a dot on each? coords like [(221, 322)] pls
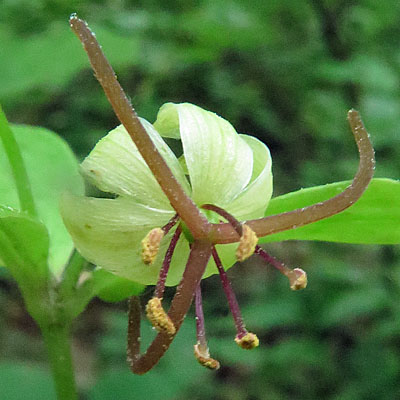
[(158, 317), (151, 245), (247, 244)]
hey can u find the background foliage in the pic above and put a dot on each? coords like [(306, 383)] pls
[(284, 72)]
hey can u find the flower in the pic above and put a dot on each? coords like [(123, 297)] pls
[(218, 166), (224, 168)]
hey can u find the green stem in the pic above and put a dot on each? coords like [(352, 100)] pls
[(17, 166), (72, 273), (57, 340), (73, 295)]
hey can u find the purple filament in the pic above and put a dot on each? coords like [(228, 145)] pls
[(200, 327), (230, 295), (169, 225), (272, 260), (229, 217), (160, 287)]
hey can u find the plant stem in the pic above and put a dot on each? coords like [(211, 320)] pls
[(17, 166), (180, 201), (200, 253), (57, 340), (71, 273), (224, 233)]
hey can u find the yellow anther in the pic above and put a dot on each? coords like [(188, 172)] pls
[(248, 342), (203, 357), (151, 245), (247, 244), (158, 317), (297, 279)]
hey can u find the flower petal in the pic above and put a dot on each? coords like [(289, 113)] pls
[(253, 200), (219, 162), (108, 233), (115, 165)]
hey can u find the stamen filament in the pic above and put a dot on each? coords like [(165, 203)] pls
[(201, 350), (236, 225), (200, 326), (154, 309), (223, 233), (180, 201), (230, 295), (170, 224), (160, 287), (280, 266), (297, 277)]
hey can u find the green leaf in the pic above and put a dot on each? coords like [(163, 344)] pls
[(52, 168), (374, 219), (50, 59), (111, 288), (24, 246), (17, 165)]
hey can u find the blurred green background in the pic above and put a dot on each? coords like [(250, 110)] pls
[(286, 72)]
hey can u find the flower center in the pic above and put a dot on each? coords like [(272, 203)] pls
[(247, 246)]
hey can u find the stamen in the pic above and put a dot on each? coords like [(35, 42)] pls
[(248, 341), (154, 309), (151, 245), (247, 244), (248, 238), (199, 256), (158, 317), (297, 277), (204, 358), (201, 351), (160, 287), (243, 337)]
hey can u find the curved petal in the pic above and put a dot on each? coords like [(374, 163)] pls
[(115, 165), (253, 200), (219, 162), (108, 233)]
